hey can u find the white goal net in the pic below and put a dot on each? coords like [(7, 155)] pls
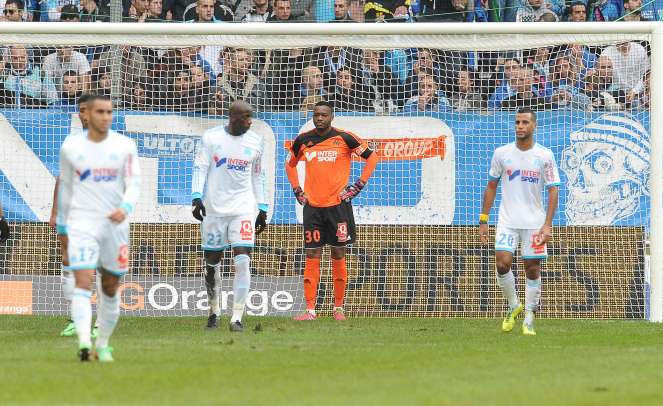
[(433, 107)]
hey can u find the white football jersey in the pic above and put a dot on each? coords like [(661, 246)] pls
[(228, 173), (523, 175), (59, 218), (98, 177)]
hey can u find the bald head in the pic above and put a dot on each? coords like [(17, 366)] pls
[(240, 117), (240, 107)]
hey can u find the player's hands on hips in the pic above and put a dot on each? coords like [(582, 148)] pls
[(545, 233), (483, 233), (300, 195), (4, 230), (198, 209), (261, 222), (350, 192), (118, 215)]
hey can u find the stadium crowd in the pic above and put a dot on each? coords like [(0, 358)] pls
[(207, 79)]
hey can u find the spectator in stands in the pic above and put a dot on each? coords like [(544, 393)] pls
[(282, 12), (136, 99), (66, 59), (179, 96), (95, 11), (207, 11), (101, 81), (425, 61), (311, 87), (524, 95), (380, 10), (260, 12), (633, 11), (533, 10), (237, 81), (642, 101), (71, 89), (201, 88), (331, 59), (605, 10), (13, 11), (466, 96), (218, 105), (577, 11), (428, 98), (445, 10), (379, 84), (629, 62), (282, 71), (51, 10), (153, 13), (133, 67), (347, 95), (566, 87), (69, 13), (24, 83), (510, 66), (341, 13)]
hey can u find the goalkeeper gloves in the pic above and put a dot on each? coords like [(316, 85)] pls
[(261, 222), (197, 209), (300, 195), (4, 230), (351, 191)]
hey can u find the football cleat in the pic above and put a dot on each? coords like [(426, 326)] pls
[(528, 330), (305, 316), (84, 354), (104, 354), (212, 322), (236, 327), (70, 330), (338, 314), (510, 319)]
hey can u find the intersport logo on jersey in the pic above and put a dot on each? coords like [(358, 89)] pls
[(98, 174), (321, 156)]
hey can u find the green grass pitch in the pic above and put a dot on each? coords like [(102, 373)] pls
[(173, 361)]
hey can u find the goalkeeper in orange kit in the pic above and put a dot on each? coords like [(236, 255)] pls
[(328, 217)]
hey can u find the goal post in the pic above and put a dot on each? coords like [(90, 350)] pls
[(417, 253)]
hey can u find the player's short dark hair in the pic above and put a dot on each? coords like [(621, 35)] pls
[(84, 98), (526, 110), (94, 97), (324, 103)]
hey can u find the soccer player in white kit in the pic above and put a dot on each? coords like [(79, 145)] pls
[(58, 223), (99, 187), (228, 186), (524, 168)]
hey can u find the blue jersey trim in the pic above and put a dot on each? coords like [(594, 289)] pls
[(263, 206), (82, 267), (115, 272), (504, 249), (552, 184), (493, 178), (196, 195), (233, 245), (60, 229), (535, 256), (127, 207)]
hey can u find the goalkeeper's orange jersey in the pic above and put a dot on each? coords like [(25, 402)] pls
[(328, 160)]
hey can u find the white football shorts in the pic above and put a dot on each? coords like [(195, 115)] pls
[(219, 233), (94, 244), (506, 239)]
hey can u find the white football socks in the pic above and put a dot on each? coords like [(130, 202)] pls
[(532, 298), (68, 283), (507, 283), (241, 286), (108, 311), (81, 314)]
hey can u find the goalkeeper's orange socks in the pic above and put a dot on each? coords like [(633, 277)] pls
[(340, 274), (311, 279)]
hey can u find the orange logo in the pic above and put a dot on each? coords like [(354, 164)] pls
[(15, 297)]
